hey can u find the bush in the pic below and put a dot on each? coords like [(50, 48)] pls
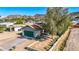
[(62, 46), (51, 43), (2, 28)]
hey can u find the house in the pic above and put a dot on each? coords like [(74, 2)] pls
[(32, 31), (30, 22), (75, 22), (8, 25), (11, 26)]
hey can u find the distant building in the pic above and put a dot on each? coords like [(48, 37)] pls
[(8, 25), (75, 20)]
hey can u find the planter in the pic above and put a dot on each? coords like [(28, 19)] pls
[(59, 45)]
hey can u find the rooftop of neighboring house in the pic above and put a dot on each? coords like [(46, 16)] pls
[(34, 26), (6, 23), (19, 25)]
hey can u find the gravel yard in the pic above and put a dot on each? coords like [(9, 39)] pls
[(21, 46), (41, 44)]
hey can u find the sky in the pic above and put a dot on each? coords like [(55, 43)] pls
[(73, 9), (5, 11)]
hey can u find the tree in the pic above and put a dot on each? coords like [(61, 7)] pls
[(10, 20), (30, 19), (20, 20), (57, 20)]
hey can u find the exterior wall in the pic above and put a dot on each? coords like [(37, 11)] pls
[(17, 28), (23, 33), (37, 33)]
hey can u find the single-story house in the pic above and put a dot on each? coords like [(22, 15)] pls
[(7, 24), (32, 31)]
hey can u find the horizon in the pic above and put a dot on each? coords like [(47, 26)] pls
[(29, 11)]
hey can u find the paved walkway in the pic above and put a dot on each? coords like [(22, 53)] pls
[(72, 43)]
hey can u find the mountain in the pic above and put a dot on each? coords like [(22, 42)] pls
[(14, 16), (39, 16), (24, 16)]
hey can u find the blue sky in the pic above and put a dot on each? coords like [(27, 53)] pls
[(73, 9), (22, 10), (4, 11)]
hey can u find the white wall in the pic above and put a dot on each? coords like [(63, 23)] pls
[(17, 28)]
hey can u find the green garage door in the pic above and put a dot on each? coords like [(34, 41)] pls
[(28, 33)]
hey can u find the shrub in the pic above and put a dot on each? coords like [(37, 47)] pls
[(2, 28), (62, 46)]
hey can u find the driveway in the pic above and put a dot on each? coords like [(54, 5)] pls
[(72, 43), (8, 45)]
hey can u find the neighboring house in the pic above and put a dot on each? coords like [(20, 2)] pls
[(30, 22), (32, 31), (18, 27), (75, 21), (8, 25), (11, 26)]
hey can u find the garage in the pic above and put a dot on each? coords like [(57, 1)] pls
[(29, 33)]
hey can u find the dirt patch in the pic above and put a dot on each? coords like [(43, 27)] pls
[(21, 46), (42, 44)]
